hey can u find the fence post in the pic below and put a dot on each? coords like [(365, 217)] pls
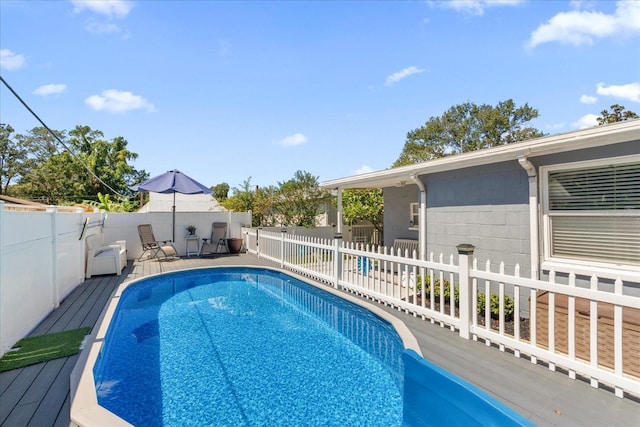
[(258, 241), (55, 295), (465, 256), (337, 259), (282, 255)]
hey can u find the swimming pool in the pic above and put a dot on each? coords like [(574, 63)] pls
[(247, 346), (430, 396)]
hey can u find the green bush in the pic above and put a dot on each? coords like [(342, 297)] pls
[(495, 305), (495, 299), (436, 290)]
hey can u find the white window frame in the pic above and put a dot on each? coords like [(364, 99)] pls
[(550, 261), (414, 216)]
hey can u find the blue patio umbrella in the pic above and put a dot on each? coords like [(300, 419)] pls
[(172, 182)]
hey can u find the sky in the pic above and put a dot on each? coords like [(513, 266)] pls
[(227, 91)]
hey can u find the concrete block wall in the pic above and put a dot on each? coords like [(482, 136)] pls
[(486, 206)]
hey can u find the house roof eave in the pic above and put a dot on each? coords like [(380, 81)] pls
[(586, 138)]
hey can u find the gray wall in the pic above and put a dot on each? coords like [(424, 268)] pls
[(486, 206)]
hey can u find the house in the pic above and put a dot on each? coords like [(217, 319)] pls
[(159, 202), (16, 203), (565, 202)]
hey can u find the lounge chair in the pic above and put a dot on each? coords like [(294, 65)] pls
[(105, 259), (157, 248), (218, 238)]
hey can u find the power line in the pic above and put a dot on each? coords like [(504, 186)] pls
[(60, 141)]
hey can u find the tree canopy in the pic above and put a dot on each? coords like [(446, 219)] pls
[(617, 114), (363, 205), (297, 201), (13, 158), (35, 166), (220, 191), (468, 127)]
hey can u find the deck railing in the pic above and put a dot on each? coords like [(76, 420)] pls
[(451, 290)]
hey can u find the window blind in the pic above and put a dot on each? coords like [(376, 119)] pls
[(599, 238), (607, 187)]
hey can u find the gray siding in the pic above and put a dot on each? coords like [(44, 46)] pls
[(486, 206), (617, 150), (396, 213)]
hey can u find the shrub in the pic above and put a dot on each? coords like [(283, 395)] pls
[(494, 299), (495, 305), (436, 290)]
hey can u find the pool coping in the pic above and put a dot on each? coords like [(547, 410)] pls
[(85, 409)]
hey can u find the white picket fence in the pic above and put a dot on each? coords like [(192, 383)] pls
[(394, 279)]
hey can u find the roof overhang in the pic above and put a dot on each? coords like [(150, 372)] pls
[(598, 136)]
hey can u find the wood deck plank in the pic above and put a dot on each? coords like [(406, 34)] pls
[(52, 402), (36, 392), (12, 396)]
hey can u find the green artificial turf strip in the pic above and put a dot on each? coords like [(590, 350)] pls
[(43, 348)]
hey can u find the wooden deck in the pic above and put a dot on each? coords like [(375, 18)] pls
[(38, 395)]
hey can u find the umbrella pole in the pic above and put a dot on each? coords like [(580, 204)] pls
[(174, 217)]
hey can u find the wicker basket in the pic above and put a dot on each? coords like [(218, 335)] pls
[(630, 331)]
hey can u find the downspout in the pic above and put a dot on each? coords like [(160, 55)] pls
[(422, 212), (339, 212), (533, 213)]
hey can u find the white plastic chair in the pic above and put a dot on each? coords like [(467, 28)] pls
[(105, 259)]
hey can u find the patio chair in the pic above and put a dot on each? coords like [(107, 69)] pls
[(105, 259), (218, 238), (157, 248)]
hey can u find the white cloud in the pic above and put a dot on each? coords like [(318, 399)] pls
[(397, 76), (10, 60), (587, 99), (115, 101), (95, 27), (362, 169), (50, 89), (580, 27), (293, 140), (586, 121), (109, 8), (474, 7), (629, 91)]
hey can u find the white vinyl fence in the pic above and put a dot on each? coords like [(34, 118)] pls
[(560, 335), (42, 254)]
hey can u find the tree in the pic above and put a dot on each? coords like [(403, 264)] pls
[(299, 200), (13, 158), (296, 201), (363, 205), (220, 191), (264, 200), (242, 198), (617, 114), (468, 127), (55, 175)]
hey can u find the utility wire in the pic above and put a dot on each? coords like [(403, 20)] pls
[(60, 141)]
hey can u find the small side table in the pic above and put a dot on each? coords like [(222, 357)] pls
[(192, 238)]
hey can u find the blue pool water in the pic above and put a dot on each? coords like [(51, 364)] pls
[(247, 347)]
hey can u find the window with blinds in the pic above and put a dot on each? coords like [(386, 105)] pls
[(594, 213)]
